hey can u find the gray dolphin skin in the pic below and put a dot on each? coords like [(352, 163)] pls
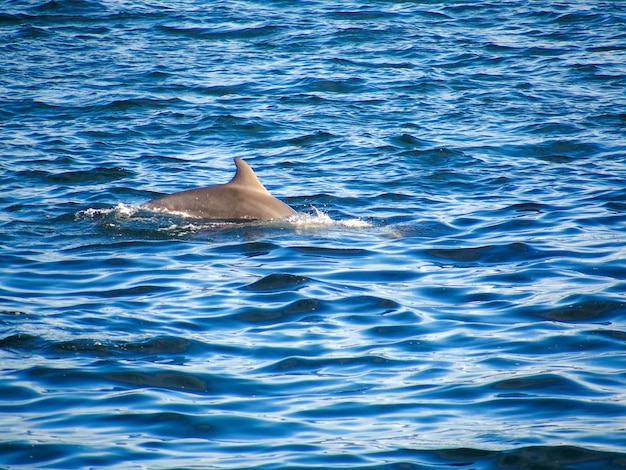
[(243, 197)]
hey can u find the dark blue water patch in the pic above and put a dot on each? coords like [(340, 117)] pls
[(223, 33), (128, 105), (313, 310), (92, 176), (162, 380), (492, 254), (581, 308), (278, 283), (556, 457), (330, 252), (375, 275), (298, 310), (554, 344), (614, 335), (249, 249), (24, 453), (69, 6), (154, 349), (307, 365), (15, 340), (539, 385), (140, 377), (426, 229), (305, 140), (409, 141), (373, 64)]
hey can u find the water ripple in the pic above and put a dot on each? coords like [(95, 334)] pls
[(450, 293)]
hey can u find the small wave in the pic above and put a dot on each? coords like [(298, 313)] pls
[(121, 210), (321, 219)]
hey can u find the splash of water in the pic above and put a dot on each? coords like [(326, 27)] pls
[(321, 219), (316, 220), (120, 211)]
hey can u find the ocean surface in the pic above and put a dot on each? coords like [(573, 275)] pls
[(451, 294)]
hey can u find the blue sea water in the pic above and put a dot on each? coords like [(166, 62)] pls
[(452, 293)]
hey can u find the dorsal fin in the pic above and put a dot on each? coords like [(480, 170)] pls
[(246, 177)]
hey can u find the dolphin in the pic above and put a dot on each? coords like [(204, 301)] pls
[(243, 197)]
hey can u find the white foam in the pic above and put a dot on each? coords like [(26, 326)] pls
[(180, 229), (120, 210), (321, 219), (124, 210), (355, 223)]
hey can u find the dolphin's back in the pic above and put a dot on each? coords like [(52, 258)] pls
[(244, 197)]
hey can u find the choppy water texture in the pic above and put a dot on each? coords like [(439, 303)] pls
[(451, 294)]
